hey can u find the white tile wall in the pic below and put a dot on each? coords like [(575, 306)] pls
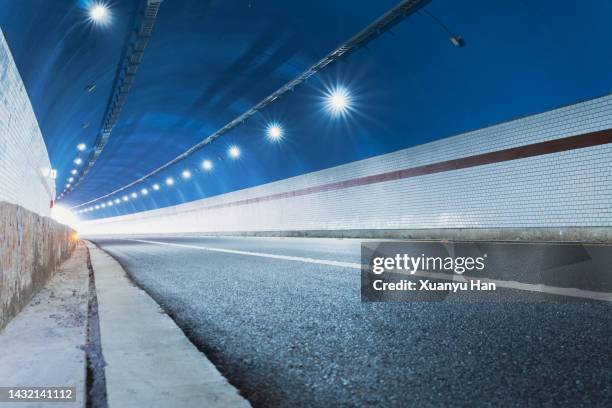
[(566, 189), (24, 162)]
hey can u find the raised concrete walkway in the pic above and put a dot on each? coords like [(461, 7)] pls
[(150, 362), (43, 346)]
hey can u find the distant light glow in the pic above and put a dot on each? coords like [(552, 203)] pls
[(275, 132), (81, 146), (110, 203), (186, 174), (71, 179), (134, 195), (68, 185), (117, 201), (169, 181), (103, 205), (144, 191), (64, 216), (125, 198), (98, 13), (73, 172), (338, 101), (97, 207), (207, 165), (78, 161), (155, 186), (234, 152)]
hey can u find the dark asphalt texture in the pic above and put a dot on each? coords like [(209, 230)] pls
[(293, 334)]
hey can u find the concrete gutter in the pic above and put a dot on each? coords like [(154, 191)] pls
[(149, 360)]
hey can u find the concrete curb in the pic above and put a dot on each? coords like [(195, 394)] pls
[(149, 361)]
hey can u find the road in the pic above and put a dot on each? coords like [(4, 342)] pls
[(283, 321)]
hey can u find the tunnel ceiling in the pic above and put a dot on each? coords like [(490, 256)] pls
[(209, 61)]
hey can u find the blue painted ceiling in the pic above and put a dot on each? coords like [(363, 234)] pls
[(210, 60)]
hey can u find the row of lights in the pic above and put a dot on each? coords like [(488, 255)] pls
[(337, 103), (233, 152), (99, 14)]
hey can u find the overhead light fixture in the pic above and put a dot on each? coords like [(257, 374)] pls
[(275, 132), (144, 191), (117, 201), (338, 101), (125, 198), (97, 207), (81, 146), (186, 174), (134, 195), (234, 152), (73, 172), (78, 161), (103, 205), (207, 165), (98, 13), (155, 186), (110, 203), (71, 179), (169, 181)]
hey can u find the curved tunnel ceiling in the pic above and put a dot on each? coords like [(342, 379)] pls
[(209, 61)]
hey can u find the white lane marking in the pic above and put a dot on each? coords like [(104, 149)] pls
[(531, 287), (259, 254)]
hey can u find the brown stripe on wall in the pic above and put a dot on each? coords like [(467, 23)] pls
[(537, 149)]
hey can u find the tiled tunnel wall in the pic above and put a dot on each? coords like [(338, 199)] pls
[(548, 172), (31, 244), (24, 162)]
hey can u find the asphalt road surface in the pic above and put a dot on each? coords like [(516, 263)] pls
[(293, 333)]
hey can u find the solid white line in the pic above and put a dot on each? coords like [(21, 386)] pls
[(259, 254), (531, 287)]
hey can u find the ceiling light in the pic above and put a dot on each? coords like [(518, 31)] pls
[(98, 13), (81, 146), (338, 101), (78, 161), (144, 191), (117, 201), (234, 152), (125, 198), (73, 172), (207, 165), (110, 203), (134, 195), (169, 181), (103, 205), (97, 207), (71, 179), (275, 132), (186, 174), (155, 186)]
